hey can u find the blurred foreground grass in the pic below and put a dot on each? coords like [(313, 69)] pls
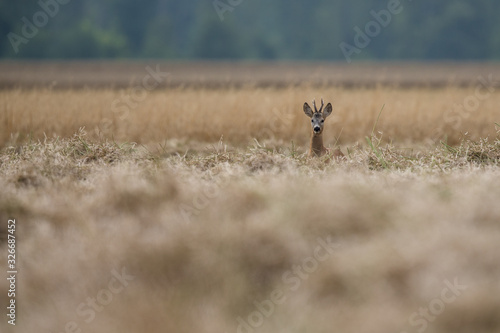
[(131, 238)]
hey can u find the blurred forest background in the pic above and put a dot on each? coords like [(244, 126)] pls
[(252, 29)]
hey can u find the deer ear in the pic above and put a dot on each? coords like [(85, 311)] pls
[(328, 110), (307, 110)]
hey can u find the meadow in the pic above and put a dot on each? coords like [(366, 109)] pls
[(189, 205)]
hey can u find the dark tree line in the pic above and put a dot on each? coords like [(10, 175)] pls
[(250, 29)]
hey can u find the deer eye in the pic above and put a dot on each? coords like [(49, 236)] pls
[(322, 121), (312, 121)]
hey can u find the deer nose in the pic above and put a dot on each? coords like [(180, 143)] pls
[(316, 129)]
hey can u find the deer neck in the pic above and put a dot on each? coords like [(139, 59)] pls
[(316, 147)]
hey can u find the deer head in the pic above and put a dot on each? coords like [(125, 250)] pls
[(318, 116)]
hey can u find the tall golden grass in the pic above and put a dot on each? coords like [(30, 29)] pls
[(240, 115)]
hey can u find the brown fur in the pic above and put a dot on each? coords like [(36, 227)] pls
[(316, 147)]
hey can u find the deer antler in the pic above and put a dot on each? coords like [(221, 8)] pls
[(321, 108)]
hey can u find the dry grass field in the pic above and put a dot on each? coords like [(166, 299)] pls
[(191, 206)]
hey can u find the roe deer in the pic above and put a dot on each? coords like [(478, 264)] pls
[(318, 117)]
